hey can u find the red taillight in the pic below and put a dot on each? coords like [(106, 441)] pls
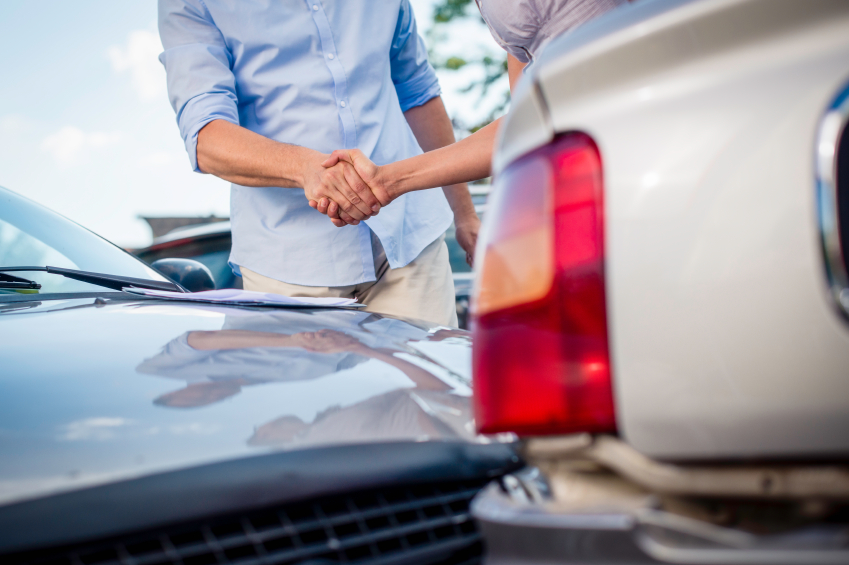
[(541, 361)]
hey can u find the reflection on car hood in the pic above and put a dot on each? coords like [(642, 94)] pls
[(92, 392)]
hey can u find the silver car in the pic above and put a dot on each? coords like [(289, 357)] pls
[(661, 307)]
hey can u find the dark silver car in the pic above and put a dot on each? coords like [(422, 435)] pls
[(210, 244), (140, 431)]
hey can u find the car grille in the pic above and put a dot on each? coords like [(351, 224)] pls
[(414, 524)]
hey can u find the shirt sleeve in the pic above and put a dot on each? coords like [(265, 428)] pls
[(514, 24), (201, 84), (414, 78)]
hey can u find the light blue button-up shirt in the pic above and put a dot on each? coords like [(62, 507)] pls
[(323, 74)]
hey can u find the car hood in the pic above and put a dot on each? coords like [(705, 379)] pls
[(94, 391)]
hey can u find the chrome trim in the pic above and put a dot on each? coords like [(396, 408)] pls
[(831, 129)]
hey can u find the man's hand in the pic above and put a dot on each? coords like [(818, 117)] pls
[(364, 170), (468, 227), (348, 199)]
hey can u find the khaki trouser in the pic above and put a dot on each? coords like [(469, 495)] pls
[(424, 289)]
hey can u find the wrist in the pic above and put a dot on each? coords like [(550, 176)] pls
[(390, 181), (465, 216), (307, 160)]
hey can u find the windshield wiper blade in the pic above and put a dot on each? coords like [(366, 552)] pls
[(115, 282), (17, 283)]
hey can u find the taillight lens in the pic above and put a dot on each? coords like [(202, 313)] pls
[(541, 361)]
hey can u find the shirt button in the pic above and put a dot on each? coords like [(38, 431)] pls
[(331, 56), (343, 104), (315, 7)]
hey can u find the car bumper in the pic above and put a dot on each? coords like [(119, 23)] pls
[(522, 526)]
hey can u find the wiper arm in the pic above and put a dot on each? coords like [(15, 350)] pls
[(115, 282), (17, 283)]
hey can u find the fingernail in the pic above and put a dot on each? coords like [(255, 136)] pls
[(375, 208)]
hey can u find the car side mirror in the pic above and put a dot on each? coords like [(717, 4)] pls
[(188, 273)]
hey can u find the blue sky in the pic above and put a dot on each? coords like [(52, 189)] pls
[(85, 124)]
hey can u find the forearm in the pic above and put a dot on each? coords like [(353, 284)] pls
[(433, 130), (236, 339), (464, 161), (424, 379), (243, 157), (514, 70)]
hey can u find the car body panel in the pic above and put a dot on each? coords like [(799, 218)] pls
[(724, 342), (527, 127), (119, 393)]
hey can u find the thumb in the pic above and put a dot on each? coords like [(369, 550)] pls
[(362, 164), (336, 156)]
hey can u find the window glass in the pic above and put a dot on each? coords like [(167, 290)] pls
[(31, 235)]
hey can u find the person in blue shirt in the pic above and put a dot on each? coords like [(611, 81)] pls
[(264, 90)]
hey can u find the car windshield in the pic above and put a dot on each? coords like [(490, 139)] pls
[(31, 235)]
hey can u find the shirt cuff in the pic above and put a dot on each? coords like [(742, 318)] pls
[(418, 89), (198, 112)]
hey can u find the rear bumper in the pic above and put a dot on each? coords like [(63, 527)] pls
[(520, 528)]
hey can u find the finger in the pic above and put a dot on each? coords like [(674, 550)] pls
[(345, 197), (338, 223), (336, 156), (361, 189), (333, 210), (469, 259), (322, 205), (351, 221), (313, 204), (369, 172), (365, 167)]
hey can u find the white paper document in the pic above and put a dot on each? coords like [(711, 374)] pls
[(246, 297)]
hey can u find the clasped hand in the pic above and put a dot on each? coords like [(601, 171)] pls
[(346, 187)]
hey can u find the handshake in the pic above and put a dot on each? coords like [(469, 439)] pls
[(347, 187)]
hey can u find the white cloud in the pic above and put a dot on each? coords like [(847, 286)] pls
[(68, 144), (92, 429), (194, 428), (139, 56)]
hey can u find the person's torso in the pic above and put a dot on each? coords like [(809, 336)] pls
[(317, 74)]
